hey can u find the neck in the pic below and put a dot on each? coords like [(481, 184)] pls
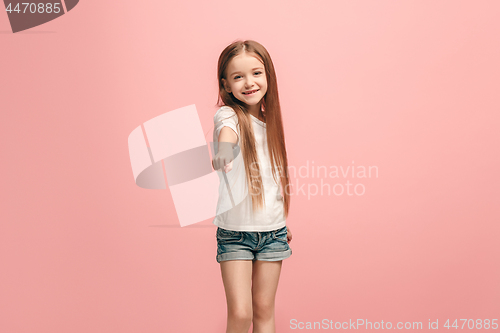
[(255, 110)]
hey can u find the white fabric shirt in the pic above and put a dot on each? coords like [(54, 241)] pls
[(234, 206)]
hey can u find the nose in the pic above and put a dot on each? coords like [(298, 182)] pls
[(249, 83)]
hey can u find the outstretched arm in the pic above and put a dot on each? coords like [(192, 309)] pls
[(224, 157)]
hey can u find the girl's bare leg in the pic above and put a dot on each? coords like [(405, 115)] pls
[(266, 275), (237, 279)]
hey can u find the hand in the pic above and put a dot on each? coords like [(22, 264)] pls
[(288, 235), (228, 167), (224, 157)]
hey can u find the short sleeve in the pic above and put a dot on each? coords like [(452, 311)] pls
[(225, 116)]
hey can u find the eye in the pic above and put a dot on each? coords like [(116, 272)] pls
[(258, 73), (237, 76)]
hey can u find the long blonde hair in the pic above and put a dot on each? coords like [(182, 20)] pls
[(272, 116)]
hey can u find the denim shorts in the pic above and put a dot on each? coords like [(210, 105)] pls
[(252, 245)]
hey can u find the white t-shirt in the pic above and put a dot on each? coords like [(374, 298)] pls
[(234, 206)]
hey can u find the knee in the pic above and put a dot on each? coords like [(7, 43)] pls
[(263, 309), (241, 315)]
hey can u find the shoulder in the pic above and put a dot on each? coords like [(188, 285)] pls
[(224, 112)]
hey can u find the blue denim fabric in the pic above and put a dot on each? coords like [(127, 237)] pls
[(252, 245)]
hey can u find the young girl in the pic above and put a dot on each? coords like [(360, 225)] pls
[(252, 237)]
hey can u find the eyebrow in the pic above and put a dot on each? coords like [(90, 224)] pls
[(240, 72)]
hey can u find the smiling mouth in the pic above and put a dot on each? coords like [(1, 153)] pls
[(251, 92)]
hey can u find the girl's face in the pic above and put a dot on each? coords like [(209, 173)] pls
[(246, 79)]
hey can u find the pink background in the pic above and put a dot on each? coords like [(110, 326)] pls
[(408, 86)]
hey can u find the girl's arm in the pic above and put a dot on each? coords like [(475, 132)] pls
[(224, 157), (227, 134)]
